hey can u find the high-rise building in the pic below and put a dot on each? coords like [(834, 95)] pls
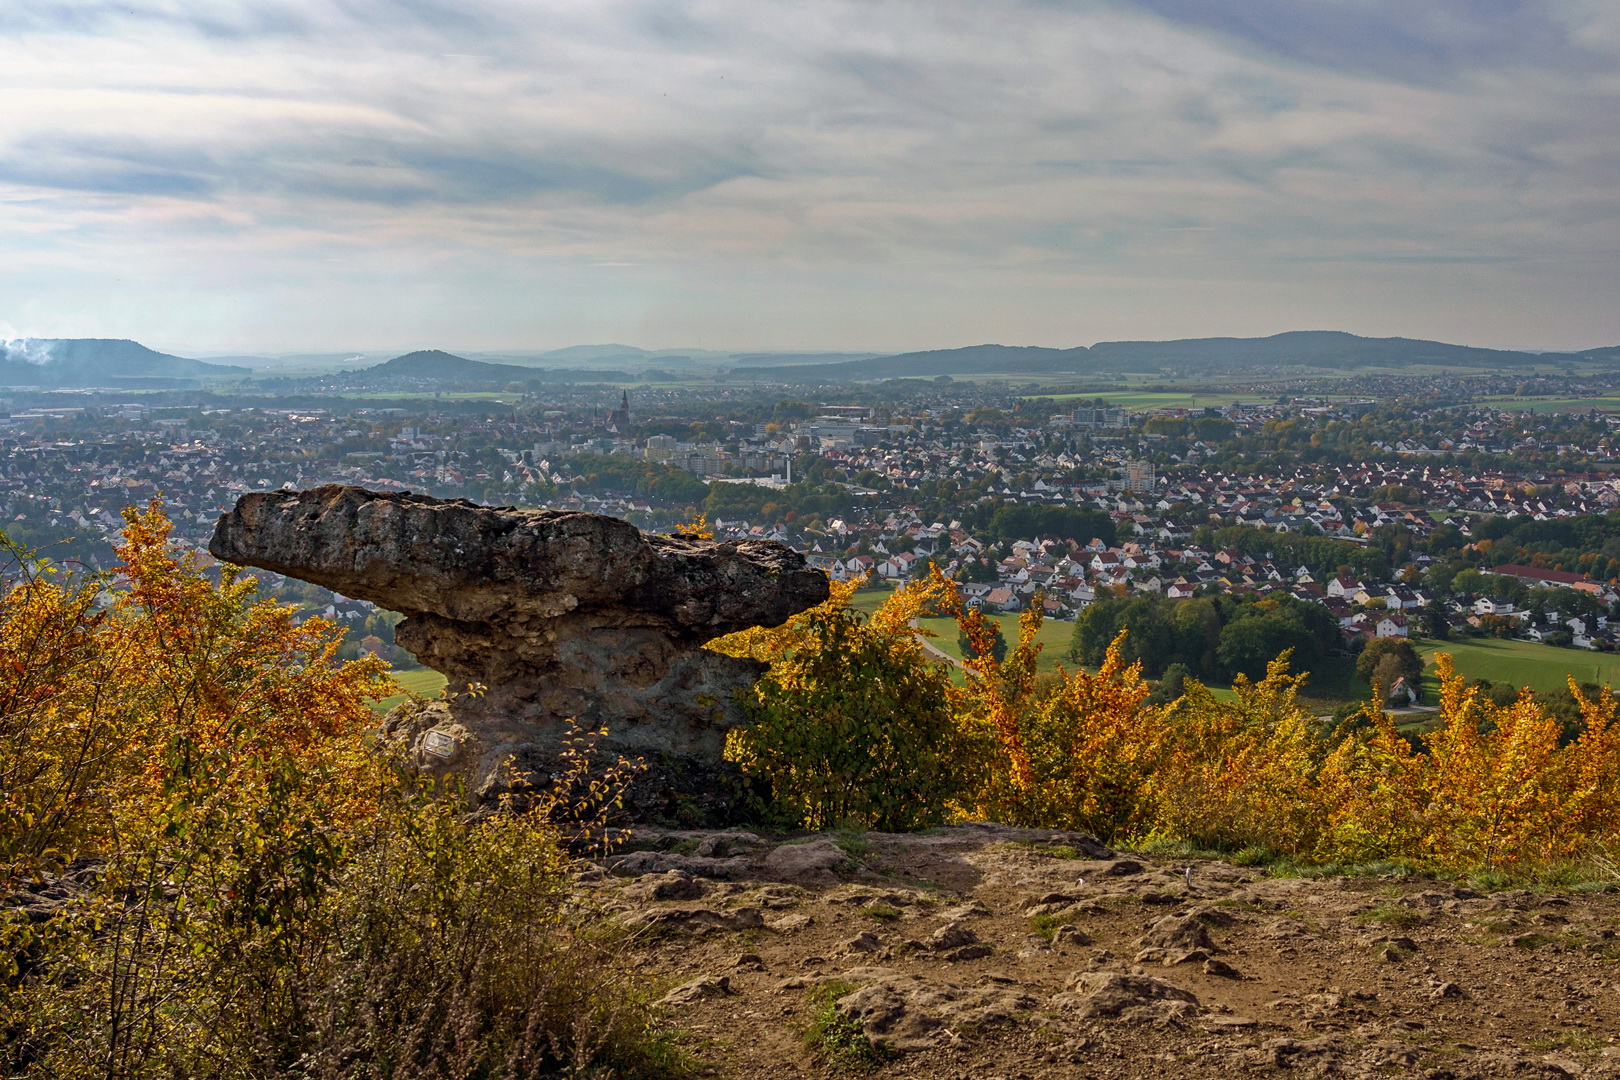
[(662, 448)]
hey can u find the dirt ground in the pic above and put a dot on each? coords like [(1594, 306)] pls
[(989, 953)]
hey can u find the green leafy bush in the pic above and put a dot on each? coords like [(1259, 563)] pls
[(853, 728)]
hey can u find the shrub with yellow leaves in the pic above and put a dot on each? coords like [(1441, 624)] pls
[(251, 892), (1077, 754), (853, 725)]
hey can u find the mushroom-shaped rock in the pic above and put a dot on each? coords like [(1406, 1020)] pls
[(560, 616)]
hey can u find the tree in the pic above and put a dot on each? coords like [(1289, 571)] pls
[(852, 725), (1407, 662), (981, 571), (1171, 684), (1020, 521), (1435, 623), (998, 651), (1151, 638), (1250, 644), (1387, 672)]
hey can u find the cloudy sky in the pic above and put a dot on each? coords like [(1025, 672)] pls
[(210, 175)]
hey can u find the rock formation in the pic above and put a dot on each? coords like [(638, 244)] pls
[(558, 615)]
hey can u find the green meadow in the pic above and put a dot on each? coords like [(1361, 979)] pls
[(1543, 668), (424, 682), (1543, 405), (1156, 399)]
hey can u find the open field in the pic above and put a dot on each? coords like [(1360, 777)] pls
[(1542, 405), (1053, 636), (423, 681), (1158, 399), (1543, 668)]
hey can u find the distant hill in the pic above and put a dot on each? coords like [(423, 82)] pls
[(1609, 354), (968, 360), (585, 354), (438, 366), (764, 359), (101, 362), (1332, 349), (1328, 349)]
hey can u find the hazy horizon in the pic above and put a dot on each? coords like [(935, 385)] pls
[(256, 176), (11, 349)]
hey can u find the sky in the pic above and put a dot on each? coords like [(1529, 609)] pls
[(298, 175)]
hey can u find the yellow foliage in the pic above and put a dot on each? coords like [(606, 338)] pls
[(1235, 771), (103, 706), (1490, 787), (760, 643), (252, 886), (698, 528)]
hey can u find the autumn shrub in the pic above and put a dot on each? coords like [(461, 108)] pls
[(1236, 774), (260, 894), (1491, 787), (852, 726), (1496, 785), (1077, 753)]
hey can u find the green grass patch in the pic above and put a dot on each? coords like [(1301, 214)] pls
[(1053, 637), (1049, 924), (1533, 941), (423, 682), (881, 912), (1554, 404), (1136, 400), (1054, 851), (1390, 915), (836, 1038), (1176, 848), (1543, 668), (1567, 1040)]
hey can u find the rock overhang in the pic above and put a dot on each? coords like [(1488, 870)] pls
[(456, 559), (562, 619)]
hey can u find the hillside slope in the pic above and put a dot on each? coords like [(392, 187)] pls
[(443, 368), (985, 951), (1331, 350), (99, 362)]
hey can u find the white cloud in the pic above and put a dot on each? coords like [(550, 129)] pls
[(381, 172)]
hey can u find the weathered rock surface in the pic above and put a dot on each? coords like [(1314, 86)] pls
[(1112, 993), (906, 1012), (557, 615), (1477, 996)]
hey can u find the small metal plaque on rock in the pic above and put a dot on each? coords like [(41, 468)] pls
[(438, 744)]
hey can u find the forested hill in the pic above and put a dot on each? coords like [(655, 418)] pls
[(1326, 349), (438, 366), (99, 362)]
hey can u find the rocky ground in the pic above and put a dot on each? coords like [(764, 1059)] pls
[(986, 952)]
